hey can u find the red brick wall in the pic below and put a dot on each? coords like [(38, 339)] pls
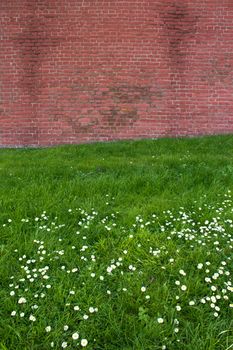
[(82, 70)]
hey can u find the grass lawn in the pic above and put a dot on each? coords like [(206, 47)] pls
[(117, 246)]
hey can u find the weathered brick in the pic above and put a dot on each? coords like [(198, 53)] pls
[(78, 70)]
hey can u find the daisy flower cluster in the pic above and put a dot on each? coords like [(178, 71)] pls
[(73, 283)]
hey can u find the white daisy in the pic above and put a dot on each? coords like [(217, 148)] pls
[(84, 342), (75, 335)]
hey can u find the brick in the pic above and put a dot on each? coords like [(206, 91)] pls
[(81, 71)]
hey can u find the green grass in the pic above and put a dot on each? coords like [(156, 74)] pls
[(140, 231)]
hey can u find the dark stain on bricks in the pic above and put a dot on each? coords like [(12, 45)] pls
[(118, 103), (180, 26), (219, 71), (117, 117), (122, 103), (130, 94), (33, 44), (2, 112)]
